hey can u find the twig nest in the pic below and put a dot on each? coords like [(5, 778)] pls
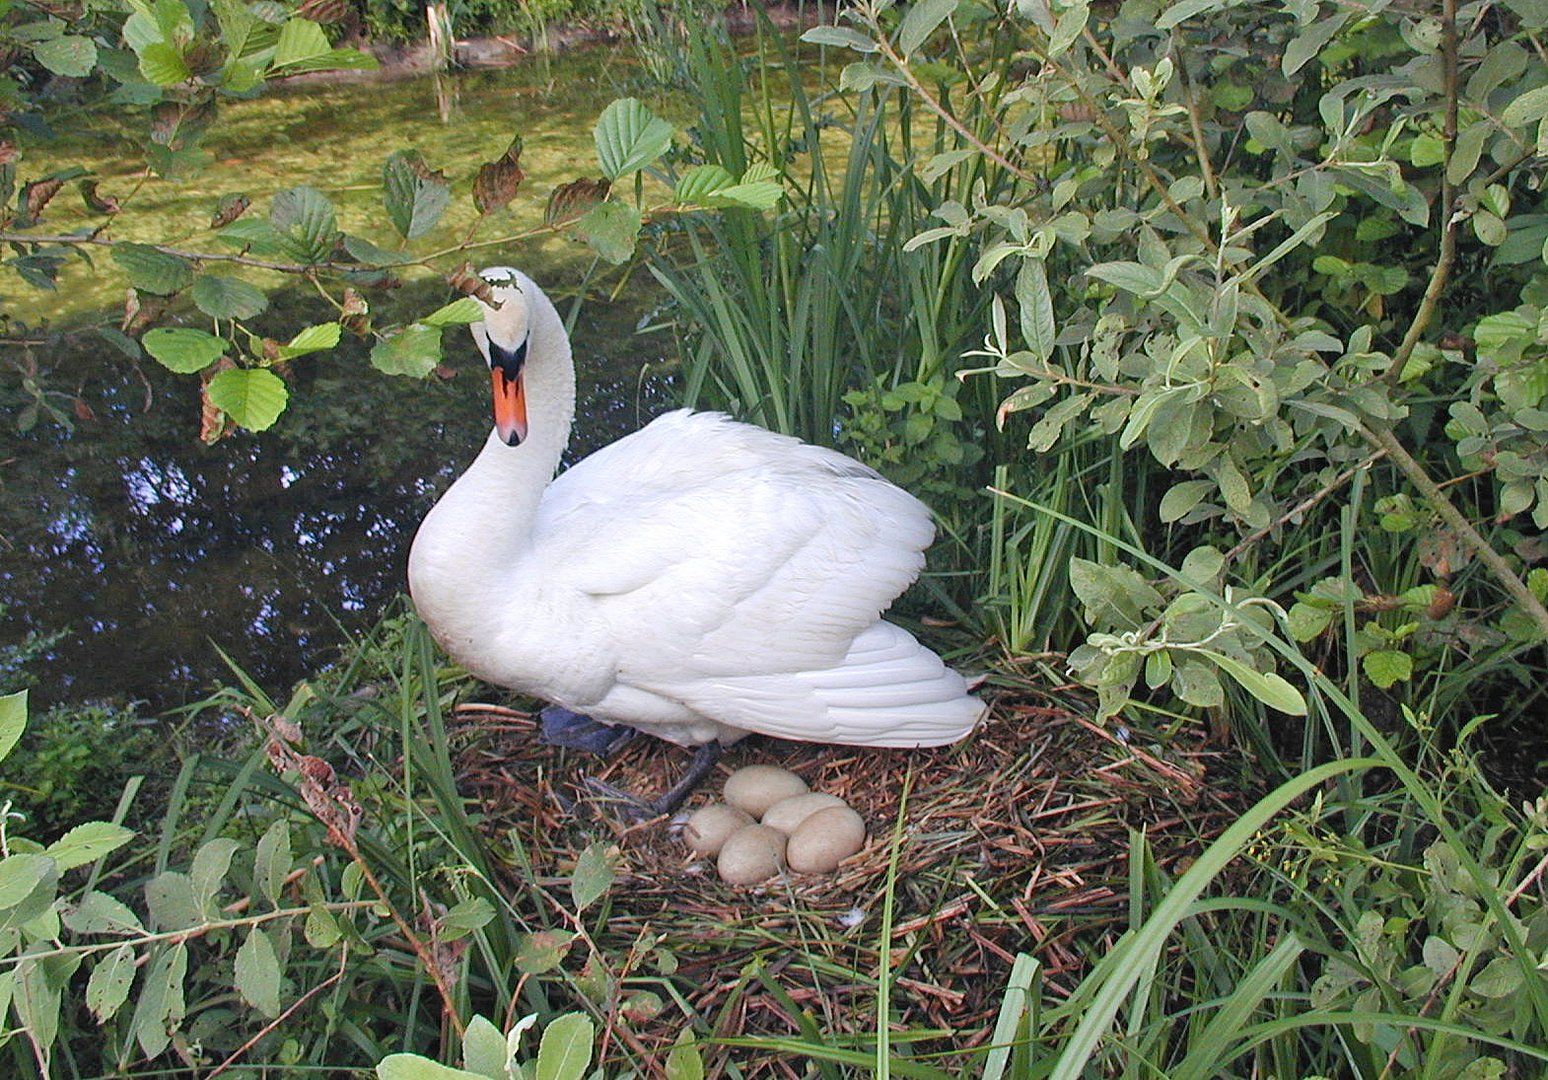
[(751, 854), (757, 787), (706, 831), (825, 839), (786, 814)]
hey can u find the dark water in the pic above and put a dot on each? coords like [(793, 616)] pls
[(148, 549)]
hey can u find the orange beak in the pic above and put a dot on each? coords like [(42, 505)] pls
[(510, 405)]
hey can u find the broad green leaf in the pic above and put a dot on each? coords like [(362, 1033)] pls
[(258, 973), (153, 271), (612, 229), (416, 195), (542, 950), (1384, 667), (1306, 621), (321, 928), (1183, 497), (100, 913), (1500, 978), (759, 195), (700, 182), (169, 897), (1187, 9), (37, 1000), (920, 22), (312, 339), (300, 41), (684, 1062), (163, 64), (484, 1049), (210, 864), (1129, 276), (87, 843), (271, 860), (69, 55), (254, 398), (629, 137), (1112, 595), (13, 721), (160, 1007), (413, 351), (414, 1067), (1072, 20), (23, 877), (1267, 686), (565, 1050), (306, 223), (1306, 45), (471, 914), (1036, 309), (593, 874), (108, 988), (183, 350), (1529, 108), (841, 37), (459, 312), (222, 297)]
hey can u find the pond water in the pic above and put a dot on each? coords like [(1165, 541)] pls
[(143, 549)]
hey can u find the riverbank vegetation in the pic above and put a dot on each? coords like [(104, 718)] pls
[(1211, 332)]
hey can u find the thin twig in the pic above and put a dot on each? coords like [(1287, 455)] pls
[(1305, 504), (282, 1017)]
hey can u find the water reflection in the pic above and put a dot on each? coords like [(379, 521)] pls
[(149, 549)]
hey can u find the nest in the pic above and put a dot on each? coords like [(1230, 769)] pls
[(1016, 840)]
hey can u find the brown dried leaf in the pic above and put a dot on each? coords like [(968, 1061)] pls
[(8, 152), (1443, 553), (324, 11), (213, 424), (465, 279), (497, 181), (141, 309), (355, 314), (38, 194), (572, 200), (97, 204), (229, 209), (83, 411)]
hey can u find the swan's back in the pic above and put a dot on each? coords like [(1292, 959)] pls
[(737, 577)]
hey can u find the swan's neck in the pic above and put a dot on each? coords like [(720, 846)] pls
[(465, 564)]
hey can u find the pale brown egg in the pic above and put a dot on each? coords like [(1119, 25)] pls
[(757, 787), (824, 840), (786, 814), (750, 855), (706, 831)]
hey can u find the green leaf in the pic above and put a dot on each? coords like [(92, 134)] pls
[(1387, 666), (312, 339), (684, 1062), (170, 899), (258, 973), (210, 864), (108, 988), (1267, 686), (460, 312), (99, 913), (321, 928), (469, 915), (254, 398), (22, 878), (1310, 42), (629, 137), (920, 22), (183, 350), (153, 271), (542, 950), (566, 1047), (413, 351), (13, 721), (69, 55), (306, 223), (163, 64), (271, 860), (1500, 978), (416, 196), (301, 41), (86, 843), (414, 1067), (840, 37), (1035, 303), (593, 874), (160, 1008), (1112, 595), (484, 1049), (1308, 620), (1129, 276), (611, 228), (1183, 497), (1186, 9), (1196, 683), (1529, 108), (700, 182), (222, 297)]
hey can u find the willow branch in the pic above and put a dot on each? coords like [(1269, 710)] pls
[(1382, 436)]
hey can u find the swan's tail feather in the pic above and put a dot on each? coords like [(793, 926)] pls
[(890, 691)]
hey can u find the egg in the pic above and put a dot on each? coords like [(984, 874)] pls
[(786, 814), (751, 854), (825, 839), (757, 787), (706, 831)]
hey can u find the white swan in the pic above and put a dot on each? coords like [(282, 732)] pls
[(698, 580)]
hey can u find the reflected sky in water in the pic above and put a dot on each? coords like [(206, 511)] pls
[(149, 549)]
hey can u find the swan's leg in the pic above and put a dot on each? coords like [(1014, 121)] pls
[(704, 760), (558, 726)]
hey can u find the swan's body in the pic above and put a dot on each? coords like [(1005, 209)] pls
[(699, 580)]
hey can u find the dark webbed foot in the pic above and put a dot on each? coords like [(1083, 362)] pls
[(558, 726), (639, 809)]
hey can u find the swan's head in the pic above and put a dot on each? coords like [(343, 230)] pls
[(502, 338)]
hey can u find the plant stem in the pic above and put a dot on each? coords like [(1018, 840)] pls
[(1380, 435)]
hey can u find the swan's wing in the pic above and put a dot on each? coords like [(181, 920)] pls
[(714, 549)]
